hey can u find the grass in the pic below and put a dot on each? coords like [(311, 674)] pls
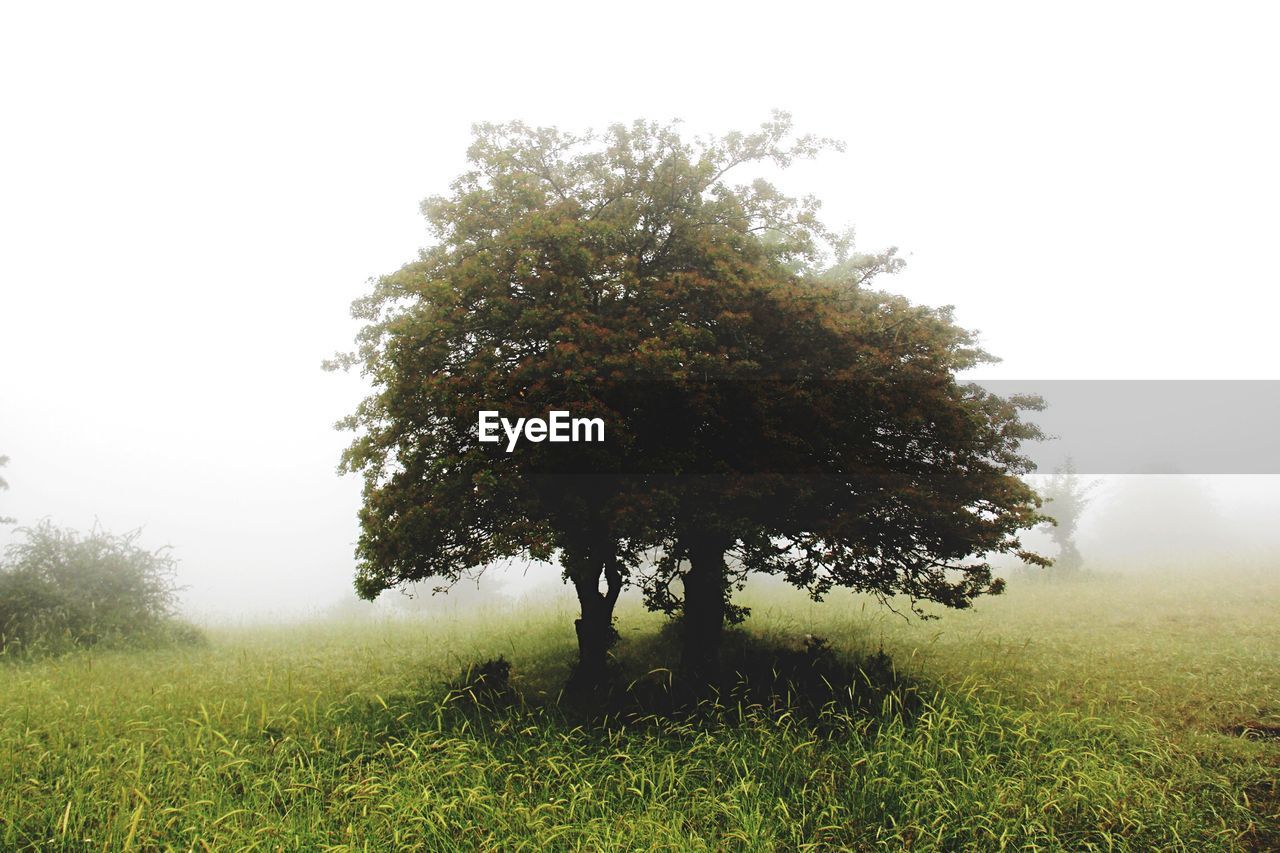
[(1112, 714)]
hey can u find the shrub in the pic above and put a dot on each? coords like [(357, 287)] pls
[(61, 590)]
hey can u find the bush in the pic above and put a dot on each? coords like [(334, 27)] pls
[(60, 590)]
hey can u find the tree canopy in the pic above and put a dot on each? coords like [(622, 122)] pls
[(763, 403)]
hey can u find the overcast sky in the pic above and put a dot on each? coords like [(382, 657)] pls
[(191, 196)]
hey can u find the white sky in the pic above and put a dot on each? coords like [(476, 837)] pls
[(191, 196)]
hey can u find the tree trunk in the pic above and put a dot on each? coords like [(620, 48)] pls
[(704, 611), (594, 625)]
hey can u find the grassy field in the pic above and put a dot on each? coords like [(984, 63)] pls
[(1125, 714)]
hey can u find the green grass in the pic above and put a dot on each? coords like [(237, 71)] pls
[(1111, 714)]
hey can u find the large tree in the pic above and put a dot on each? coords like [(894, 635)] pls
[(762, 403)]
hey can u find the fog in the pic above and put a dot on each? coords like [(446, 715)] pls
[(192, 197)]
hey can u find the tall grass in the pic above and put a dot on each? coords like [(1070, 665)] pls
[(1090, 716)]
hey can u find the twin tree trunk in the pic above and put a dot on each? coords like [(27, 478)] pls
[(703, 624)]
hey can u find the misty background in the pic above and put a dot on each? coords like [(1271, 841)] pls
[(192, 196)]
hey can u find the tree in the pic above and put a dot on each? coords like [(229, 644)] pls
[(4, 485), (759, 398), (1067, 496), (61, 589)]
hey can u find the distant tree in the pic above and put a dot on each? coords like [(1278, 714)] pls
[(1066, 496), (59, 589), (4, 485), (761, 402)]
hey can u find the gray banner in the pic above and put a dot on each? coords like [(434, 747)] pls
[(1154, 426)]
